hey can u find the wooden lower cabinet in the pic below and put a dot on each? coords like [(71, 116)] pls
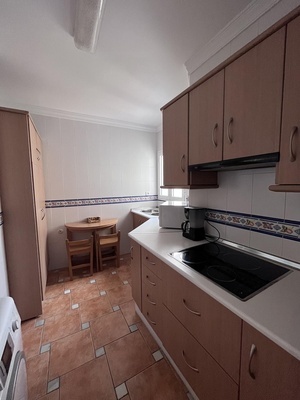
[(208, 380), (153, 263), (216, 328), (138, 220), (136, 274), (152, 299), (268, 372)]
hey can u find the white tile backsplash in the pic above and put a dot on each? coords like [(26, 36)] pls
[(239, 193)]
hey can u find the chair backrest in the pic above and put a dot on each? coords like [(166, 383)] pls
[(110, 238), (84, 246)]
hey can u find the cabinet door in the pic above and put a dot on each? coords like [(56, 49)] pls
[(203, 373), (206, 121), (40, 206), (271, 373), (175, 143), (289, 165), (135, 253), (216, 328), (253, 98), (138, 220)]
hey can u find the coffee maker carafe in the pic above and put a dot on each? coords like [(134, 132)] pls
[(193, 226)]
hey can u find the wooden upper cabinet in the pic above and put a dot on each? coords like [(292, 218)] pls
[(175, 143), (267, 371), (253, 99), (288, 171), (206, 121)]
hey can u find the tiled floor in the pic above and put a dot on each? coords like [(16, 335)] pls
[(90, 344)]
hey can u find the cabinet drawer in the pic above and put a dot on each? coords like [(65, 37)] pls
[(135, 253), (216, 328), (151, 308), (150, 279), (152, 262), (204, 374)]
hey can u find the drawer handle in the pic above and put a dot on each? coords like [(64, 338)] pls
[(252, 352), (229, 138), (293, 133), (148, 279), (150, 262), (213, 135), (151, 302), (152, 322), (184, 359), (191, 311), (131, 249)]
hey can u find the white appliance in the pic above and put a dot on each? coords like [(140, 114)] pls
[(13, 376), (171, 214)]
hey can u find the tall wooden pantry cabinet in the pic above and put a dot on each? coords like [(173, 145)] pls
[(23, 205)]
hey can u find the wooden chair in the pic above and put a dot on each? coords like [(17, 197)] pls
[(80, 254), (107, 248)]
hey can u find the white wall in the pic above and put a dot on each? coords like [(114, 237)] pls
[(84, 160), (3, 272)]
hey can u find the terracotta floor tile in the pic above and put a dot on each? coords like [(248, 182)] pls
[(52, 396), (124, 275), (84, 292), (32, 340), (61, 325), (37, 372), (56, 305), (108, 281), (27, 325), (77, 282), (119, 295), (129, 313), (156, 382), (94, 308), (91, 381), (70, 352), (108, 328), (54, 290), (153, 346), (127, 357)]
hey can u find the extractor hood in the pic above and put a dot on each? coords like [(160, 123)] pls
[(259, 161)]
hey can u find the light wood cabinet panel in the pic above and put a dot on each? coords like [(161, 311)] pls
[(22, 198), (275, 373), (288, 171), (203, 373), (206, 121), (152, 262), (253, 98), (138, 220), (216, 328), (136, 274), (152, 303), (175, 143)]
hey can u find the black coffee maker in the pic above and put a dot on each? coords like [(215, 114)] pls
[(193, 226)]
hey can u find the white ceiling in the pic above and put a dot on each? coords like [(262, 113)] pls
[(138, 65)]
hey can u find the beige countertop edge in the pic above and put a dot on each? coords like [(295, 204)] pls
[(273, 312)]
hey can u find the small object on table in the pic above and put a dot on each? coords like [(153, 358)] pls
[(92, 220)]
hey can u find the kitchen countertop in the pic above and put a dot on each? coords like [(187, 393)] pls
[(275, 311), (148, 215)]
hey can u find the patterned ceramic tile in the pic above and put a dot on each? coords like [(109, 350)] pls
[(98, 201)]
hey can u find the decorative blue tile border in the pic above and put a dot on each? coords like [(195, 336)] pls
[(1, 218), (99, 201), (271, 226)]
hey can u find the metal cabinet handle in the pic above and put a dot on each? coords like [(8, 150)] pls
[(190, 366), (293, 133), (182, 165), (148, 279), (152, 322), (131, 249), (229, 138), (213, 135), (252, 352), (150, 262), (151, 302), (191, 311)]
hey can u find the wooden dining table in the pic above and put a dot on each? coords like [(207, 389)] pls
[(92, 227)]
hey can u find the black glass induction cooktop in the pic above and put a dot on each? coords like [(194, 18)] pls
[(240, 273)]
